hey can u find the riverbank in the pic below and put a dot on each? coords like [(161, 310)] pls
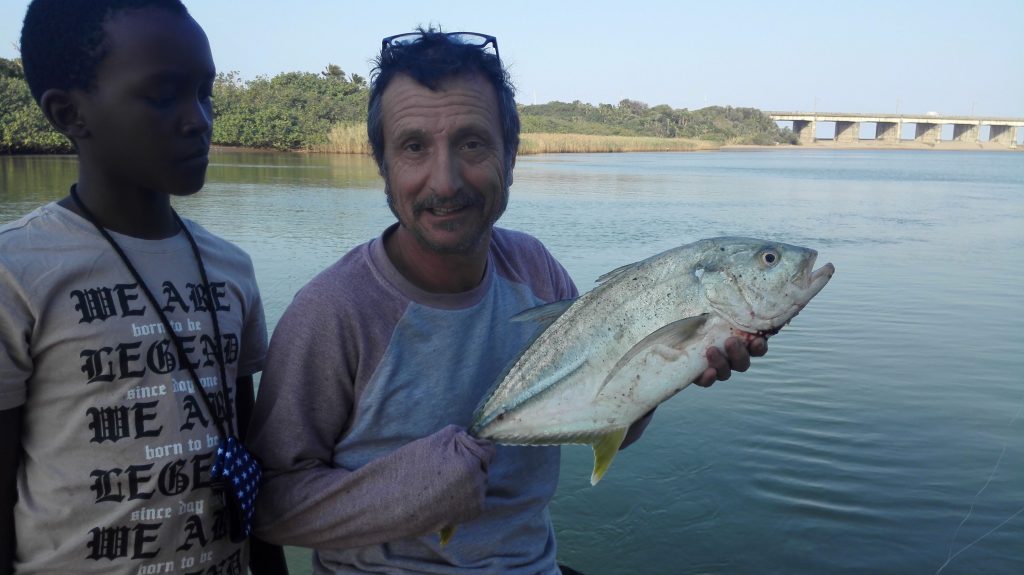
[(352, 140), (545, 143), (874, 145)]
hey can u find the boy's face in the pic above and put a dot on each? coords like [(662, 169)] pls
[(148, 116)]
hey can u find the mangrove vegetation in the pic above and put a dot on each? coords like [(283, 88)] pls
[(325, 112)]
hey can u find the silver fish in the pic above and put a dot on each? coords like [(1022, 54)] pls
[(609, 357)]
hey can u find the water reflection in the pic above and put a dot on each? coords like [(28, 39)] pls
[(881, 433)]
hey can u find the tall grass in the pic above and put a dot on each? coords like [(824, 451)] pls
[(346, 139), (539, 143), (351, 139)]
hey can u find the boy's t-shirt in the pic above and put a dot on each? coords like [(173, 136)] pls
[(117, 441)]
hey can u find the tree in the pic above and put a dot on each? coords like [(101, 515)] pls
[(23, 128), (334, 72), (11, 68), (292, 110)]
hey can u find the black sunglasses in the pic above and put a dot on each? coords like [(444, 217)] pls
[(468, 38)]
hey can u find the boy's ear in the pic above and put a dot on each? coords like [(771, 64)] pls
[(62, 111)]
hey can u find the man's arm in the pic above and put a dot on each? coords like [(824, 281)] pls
[(264, 558), (10, 458), (305, 400)]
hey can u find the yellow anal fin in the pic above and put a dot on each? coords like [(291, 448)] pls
[(605, 449), (446, 534)]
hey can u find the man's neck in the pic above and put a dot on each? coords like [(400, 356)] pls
[(133, 212), (432, 271)]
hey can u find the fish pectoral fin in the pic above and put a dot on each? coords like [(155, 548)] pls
[(673, 335), (545, 314), (605, 448), (670, 336), (446, 534)]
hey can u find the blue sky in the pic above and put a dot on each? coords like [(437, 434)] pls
[(964, 57)]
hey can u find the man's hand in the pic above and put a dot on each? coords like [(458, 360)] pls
[(736, 358), (449, 472), (720, 367)]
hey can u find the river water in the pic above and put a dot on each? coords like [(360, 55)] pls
[(882, 433)]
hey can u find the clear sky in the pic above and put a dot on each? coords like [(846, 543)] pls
[(963, 57)]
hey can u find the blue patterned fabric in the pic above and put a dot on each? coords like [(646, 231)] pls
[(240, 475)]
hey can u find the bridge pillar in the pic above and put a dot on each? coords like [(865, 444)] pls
[(1003, 134), (804, 130), (847, 132), (928, 133), (965, 133), (888, 131)]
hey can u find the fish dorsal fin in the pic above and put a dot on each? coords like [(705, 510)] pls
[(673, 335), (605, 448), (619, 271), (544, 314)]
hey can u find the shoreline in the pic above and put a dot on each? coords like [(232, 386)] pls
[(947, 146), (637, 145)]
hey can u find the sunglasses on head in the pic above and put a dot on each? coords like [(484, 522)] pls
[(467, 38)]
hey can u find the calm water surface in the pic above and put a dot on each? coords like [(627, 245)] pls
[(883, 432)]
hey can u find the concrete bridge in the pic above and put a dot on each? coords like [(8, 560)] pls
[(889, 127)]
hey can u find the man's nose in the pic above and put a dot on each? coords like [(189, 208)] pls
[(445, 172)]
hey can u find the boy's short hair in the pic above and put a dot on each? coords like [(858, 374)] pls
[(63, 41)]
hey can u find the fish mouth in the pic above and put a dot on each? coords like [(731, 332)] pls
[(816, 278), (807, 282)]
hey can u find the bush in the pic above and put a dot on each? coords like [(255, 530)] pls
[(294, 110), (23, 128)]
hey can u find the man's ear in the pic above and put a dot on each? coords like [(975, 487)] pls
[(62, 110)]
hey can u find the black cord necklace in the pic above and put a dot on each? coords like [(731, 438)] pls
[(204, 294), (235, 473)]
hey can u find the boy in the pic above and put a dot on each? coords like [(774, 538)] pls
[(128, 337)]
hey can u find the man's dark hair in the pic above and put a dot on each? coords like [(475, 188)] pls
[(63, 41), (430, 59)]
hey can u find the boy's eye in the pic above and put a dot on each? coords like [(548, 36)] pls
[(160, 100)]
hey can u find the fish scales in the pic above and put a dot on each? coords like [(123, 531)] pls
[(628, 314), (640, 337)]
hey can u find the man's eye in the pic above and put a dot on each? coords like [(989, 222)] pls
[(414, 147), (472, 145)]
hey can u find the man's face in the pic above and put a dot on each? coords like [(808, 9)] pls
[(443, 160), (149, 114)]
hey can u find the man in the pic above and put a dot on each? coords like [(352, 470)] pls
[(116, 315), (376, 368)]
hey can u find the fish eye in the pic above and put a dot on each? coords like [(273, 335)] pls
[(770, 257)]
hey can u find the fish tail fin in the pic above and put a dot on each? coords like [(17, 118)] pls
[(446, 534), (605, 449)]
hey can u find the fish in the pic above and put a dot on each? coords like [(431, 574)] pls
[(604, 360)]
